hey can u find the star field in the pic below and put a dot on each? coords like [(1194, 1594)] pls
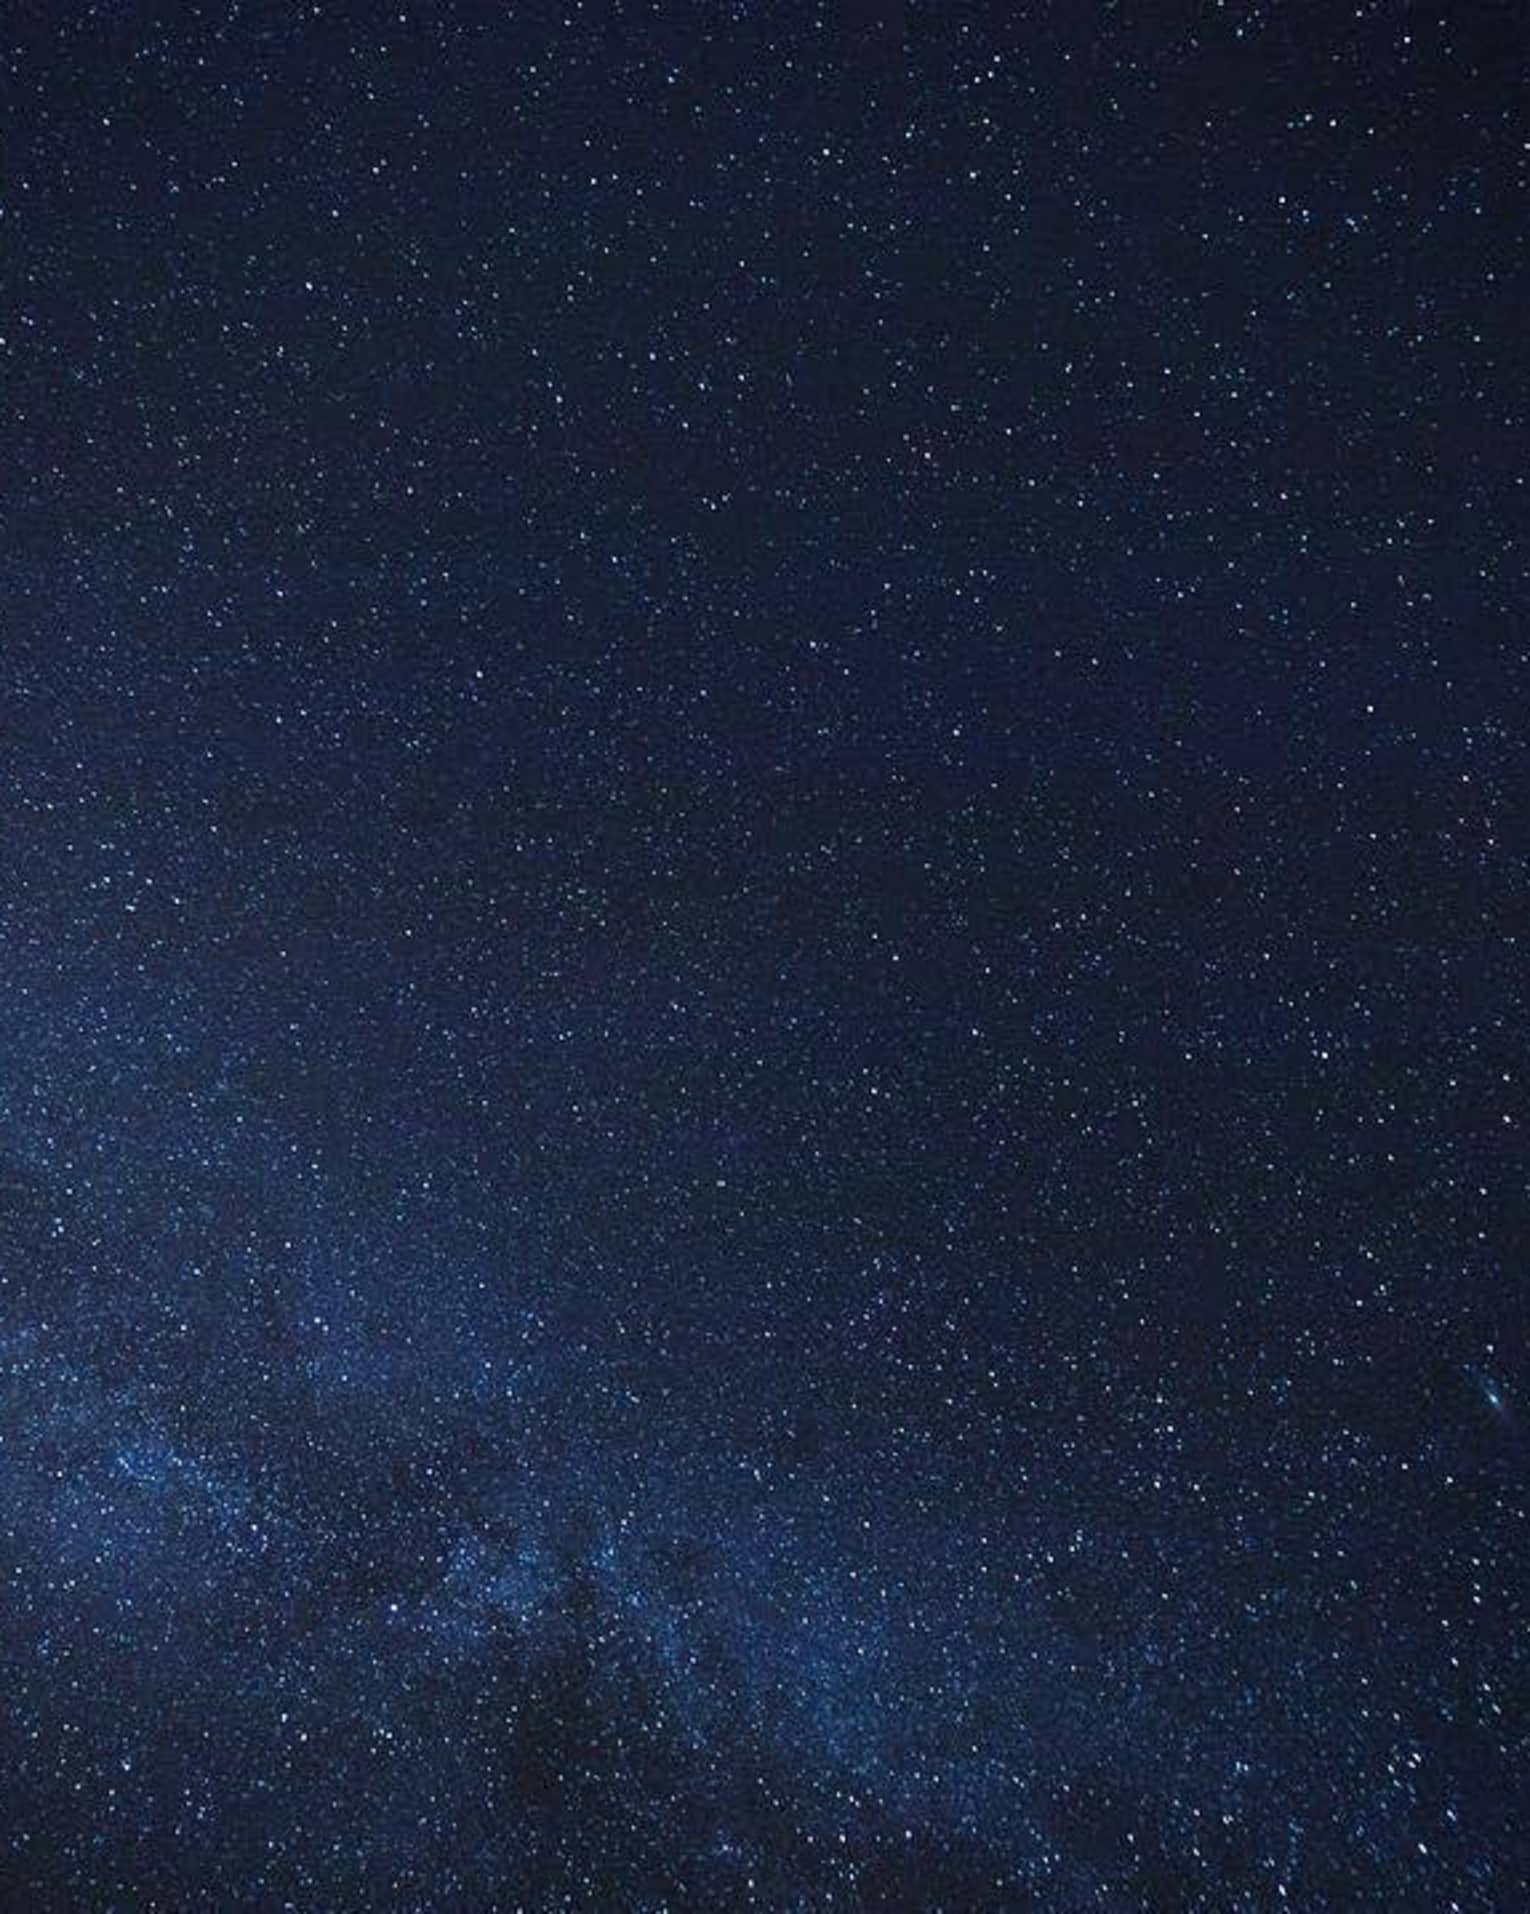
[(762, 870)]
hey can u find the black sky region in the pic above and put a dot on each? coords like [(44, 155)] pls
[(762, 971)]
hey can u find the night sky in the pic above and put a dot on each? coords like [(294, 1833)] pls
[(763, 987)]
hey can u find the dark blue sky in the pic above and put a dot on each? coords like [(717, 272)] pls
[(762, 819)]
